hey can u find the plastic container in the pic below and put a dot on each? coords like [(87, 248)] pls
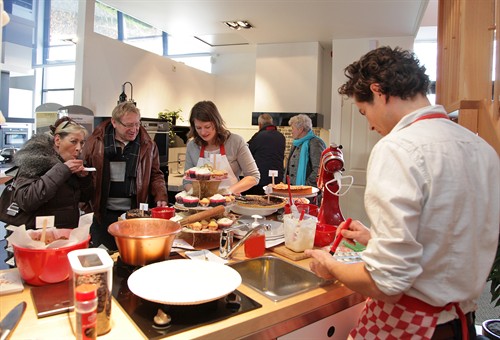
[(95, 266), (299, 235), (86, 312), (255, 245), (39, 267), (163, 212)]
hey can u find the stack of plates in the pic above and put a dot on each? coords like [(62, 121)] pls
[(274, 236)]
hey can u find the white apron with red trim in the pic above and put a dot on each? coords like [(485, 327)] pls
[(218, 161)]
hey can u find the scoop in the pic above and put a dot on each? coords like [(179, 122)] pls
[(293, 207), (339, 236)]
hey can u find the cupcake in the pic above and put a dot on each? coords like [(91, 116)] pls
[(179, 198), (190, 201), (216, 200), (203, 174), (213, 225), (224, 222), (204, 202), (195, 226), (192, 172), (219, 174), (229, 199)]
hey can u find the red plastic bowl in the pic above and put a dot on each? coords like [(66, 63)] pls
[(40, 267), (163, 212), (325, 233)]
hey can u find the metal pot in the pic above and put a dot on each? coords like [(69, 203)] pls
[(142, 241)]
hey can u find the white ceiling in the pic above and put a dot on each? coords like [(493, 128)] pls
[(282, 21)]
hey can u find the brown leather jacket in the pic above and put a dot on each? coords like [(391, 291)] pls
[(150, 180)]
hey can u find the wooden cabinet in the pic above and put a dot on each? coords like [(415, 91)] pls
[(333, 327), (467, 32)]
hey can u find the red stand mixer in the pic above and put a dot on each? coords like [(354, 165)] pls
[(331, 165)]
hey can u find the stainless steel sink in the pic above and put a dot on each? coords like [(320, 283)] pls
[(275, 278)]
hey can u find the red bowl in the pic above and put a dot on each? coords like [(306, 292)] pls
[(40, 267), (163, 212), (325, 233)]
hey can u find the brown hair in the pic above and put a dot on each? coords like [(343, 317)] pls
[(206, 111)]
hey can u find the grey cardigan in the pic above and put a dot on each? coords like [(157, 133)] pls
[(238, 154)]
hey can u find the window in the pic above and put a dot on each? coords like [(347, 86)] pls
[(117, 25)]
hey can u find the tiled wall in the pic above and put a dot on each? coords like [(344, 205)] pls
[(287, 132)]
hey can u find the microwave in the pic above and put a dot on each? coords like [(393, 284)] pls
[(13, 137)]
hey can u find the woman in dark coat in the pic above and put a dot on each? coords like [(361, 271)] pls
[(51, 179)]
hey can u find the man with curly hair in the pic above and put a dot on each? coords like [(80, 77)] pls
[(432, 196)]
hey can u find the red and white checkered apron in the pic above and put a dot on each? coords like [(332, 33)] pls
[(410, 318)]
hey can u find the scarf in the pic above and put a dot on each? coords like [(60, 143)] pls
[(130, 153), (304, 156)]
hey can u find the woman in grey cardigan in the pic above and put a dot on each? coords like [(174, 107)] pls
[(212, 143), (304, 159)]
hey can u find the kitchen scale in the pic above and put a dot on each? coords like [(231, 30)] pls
[(184, 317)]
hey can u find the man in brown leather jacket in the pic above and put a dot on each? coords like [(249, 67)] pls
[(127, 170)]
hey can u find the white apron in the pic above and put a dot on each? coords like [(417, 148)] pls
[(219, 162)]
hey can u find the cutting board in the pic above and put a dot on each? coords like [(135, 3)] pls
[(290, 254)]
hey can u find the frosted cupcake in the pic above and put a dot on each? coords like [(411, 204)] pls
[(224, 222), (203, 174), (216, 200), (179, 198), (191, 201)]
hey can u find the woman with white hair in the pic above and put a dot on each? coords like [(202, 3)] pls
[(303, 161), (51, 179)]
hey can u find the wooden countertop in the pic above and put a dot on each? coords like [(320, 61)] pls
[(267, 321)]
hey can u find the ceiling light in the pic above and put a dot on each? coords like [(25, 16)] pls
[(238, 24)]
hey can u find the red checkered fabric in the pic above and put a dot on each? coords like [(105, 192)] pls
[(380, 320)]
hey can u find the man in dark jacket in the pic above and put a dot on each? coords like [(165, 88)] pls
[(127, 170), (268, 150)]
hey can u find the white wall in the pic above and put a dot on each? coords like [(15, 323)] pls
[(287, 77), (345, 52), (104, 64), (235, 87)]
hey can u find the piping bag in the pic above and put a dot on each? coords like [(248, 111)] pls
[(339, 236)]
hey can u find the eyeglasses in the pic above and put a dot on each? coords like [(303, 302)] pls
[(130, 126)]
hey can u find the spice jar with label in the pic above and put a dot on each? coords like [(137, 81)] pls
[(86, 312), (94, 266)]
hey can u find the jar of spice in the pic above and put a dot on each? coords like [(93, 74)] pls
[(86, 311), (95, 266)]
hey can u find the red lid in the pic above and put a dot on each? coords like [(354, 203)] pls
[(85, 292)]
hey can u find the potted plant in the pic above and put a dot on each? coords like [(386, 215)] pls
[(491, 328), (171, 117)]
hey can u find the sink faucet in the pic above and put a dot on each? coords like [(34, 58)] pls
[(226, 248)]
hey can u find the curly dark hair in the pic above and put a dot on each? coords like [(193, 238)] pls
[(206, 111), (397, 71)]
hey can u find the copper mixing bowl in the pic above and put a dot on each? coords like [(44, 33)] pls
[(142, 241)]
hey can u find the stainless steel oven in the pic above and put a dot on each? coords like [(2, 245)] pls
[(13, 137)]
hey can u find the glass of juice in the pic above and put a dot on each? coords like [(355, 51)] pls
[(255, 245)]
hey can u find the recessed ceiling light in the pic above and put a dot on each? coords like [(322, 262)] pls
[(238, 24)]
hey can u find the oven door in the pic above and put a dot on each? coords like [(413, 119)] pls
[(14, 138)]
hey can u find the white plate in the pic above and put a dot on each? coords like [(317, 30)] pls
[(183, 282), (313, 194), (239, 209)]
